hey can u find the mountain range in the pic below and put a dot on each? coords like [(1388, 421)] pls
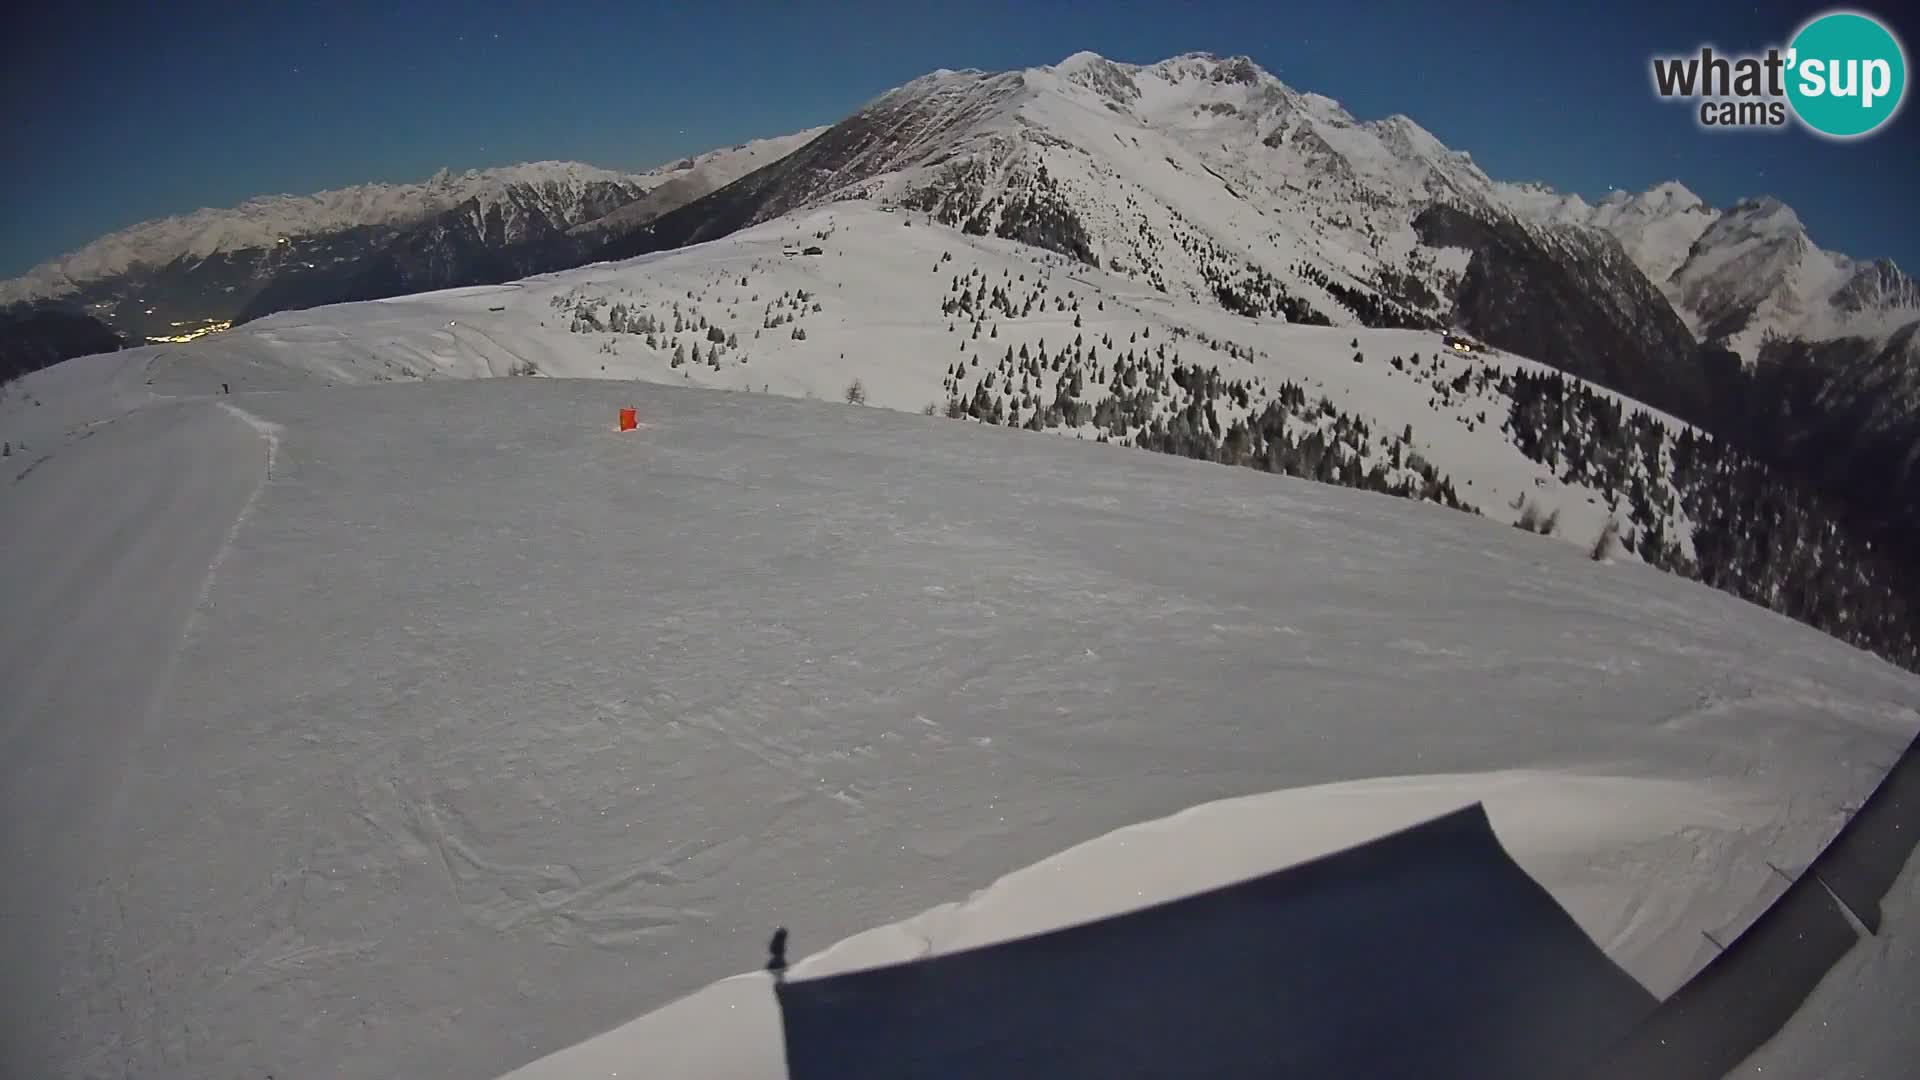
[(1199, 178), (170, 277), (1290, 185)]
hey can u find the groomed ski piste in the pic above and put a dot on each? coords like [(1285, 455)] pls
[(438, 729)]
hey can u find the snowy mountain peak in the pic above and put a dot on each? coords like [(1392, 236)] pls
[(1080, 61), (1535, 201), (1764, 215), (1208, 67), (1668, 197), (939, 76), (1738, 276), (1408, 139), (1111, 80), (1326, 109), (1187, 72), (1657, 227), (1754, 273), (1671, 196)]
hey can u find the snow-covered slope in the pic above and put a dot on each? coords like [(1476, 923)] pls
[(925, 316), (460, 726), (728, 163), (881, 305), (683, 181)]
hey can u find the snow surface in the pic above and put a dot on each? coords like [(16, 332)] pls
[(429, 729), (1594, 842)]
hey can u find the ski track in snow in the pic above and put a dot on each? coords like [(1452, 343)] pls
[(270, 435)]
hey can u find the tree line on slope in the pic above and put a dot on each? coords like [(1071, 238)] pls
[(1026, 206), (1753, 533), (1148, 397), (1842, 415)]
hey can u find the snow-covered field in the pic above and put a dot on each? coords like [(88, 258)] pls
[(429, 729)]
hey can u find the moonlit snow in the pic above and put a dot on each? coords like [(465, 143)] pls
[(431, 729)]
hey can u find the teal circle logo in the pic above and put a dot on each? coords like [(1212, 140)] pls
[(1846, 74)]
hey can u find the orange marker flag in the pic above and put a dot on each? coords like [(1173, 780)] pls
[(629, 419)]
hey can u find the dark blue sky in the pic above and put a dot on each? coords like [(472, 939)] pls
[(115, 113)]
